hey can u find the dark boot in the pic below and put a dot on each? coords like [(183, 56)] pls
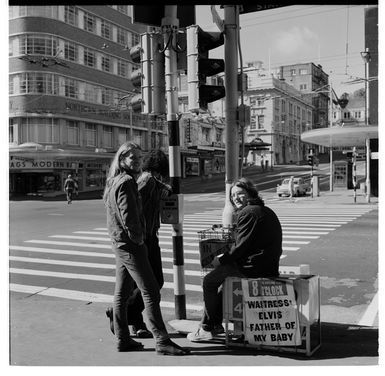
[(128, 344), (170, 348), (110, 315)]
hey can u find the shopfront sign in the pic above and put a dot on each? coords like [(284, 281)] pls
[(270, 312), (19, 163)]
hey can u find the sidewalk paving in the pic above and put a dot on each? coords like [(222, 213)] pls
[(47, 331), (54, 332)]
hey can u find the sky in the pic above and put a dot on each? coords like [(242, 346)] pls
[(330, 35)]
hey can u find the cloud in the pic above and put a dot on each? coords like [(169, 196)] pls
[(287, 42)]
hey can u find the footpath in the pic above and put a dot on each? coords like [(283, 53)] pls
[(47, 331)]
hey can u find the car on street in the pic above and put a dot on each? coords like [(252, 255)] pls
[(300, 187)]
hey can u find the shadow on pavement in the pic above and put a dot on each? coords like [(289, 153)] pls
[(338, 341)]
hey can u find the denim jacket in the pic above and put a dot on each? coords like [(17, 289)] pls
[(125, 220)]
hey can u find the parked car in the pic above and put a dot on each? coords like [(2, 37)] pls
[(300, 187)]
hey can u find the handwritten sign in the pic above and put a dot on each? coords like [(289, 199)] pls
[(270, 312)]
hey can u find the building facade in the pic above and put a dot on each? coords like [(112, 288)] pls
[(311, 80), (69, 76), (279, 114)]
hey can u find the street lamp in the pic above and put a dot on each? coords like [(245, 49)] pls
[(366, 57)]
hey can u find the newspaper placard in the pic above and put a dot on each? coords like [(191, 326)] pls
[(270, 312)]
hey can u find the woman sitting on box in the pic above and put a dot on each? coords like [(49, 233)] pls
[(255, 254)]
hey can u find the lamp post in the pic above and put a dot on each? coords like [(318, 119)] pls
[(366, 57)]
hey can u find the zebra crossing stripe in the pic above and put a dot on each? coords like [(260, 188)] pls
[(72, 244), (89, 277), (82, 295), (60, 251)]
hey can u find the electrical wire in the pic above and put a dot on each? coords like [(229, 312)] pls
[(288, 18)]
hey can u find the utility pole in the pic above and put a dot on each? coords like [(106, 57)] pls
[(354, 159), (366, 57), (331, 146), (231, 25), (170, 25)]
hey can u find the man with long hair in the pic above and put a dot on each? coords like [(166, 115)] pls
[(255, 254), (126, 227)]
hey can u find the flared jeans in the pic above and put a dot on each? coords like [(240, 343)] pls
[(133, 267)]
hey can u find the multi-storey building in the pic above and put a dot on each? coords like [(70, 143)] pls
[(279, 114), (69, 73), (310, 79)]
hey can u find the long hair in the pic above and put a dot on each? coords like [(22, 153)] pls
[(156, 161), (116, 167), (250, 188)]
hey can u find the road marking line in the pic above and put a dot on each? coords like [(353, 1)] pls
[(91, 265), (62, 262), (371, 312), (60, 251), (88, 277), (52, 242), (82, 296), (80, 238)]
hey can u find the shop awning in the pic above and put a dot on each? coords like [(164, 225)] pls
[(34, 150), (257, 144)]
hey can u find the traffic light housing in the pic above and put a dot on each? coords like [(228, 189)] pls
[(136, 78), (148, 80), (310, 160), (199, 67)]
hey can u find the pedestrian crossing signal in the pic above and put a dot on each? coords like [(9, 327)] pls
[(310, 160)]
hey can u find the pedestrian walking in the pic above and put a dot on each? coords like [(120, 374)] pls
[(255, 254), (152, 190), (69, 187), (291, 186), (126, 227)]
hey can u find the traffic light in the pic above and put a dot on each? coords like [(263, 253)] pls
[(137, 76), (310, 160), (199, 67), (148, 80), (157, 76)]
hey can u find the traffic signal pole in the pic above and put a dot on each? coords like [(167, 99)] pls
[(170, 25), (231, 24)]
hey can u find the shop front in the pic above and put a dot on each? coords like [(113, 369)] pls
[(42, 173), (206, 161)]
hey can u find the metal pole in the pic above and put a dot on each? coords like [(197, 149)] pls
[(331, 141), (367, 141), (170, 25), (231, 24), (354, 174)]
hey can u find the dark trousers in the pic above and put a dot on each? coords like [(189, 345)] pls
[(69, 194), (135, 305), (133, 267), (212, 294)]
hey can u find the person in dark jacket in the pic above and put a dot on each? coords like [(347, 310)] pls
[(126, 227), (152, 190), (69, 187), (255, 254)]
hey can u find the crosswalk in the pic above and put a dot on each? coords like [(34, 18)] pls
[(81, 266)]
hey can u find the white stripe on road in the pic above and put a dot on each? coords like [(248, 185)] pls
[(74, 263), (62, 262), (82, 296), (315, 225), (60, 251), (52, 242), (80, 238), (88, 277)]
